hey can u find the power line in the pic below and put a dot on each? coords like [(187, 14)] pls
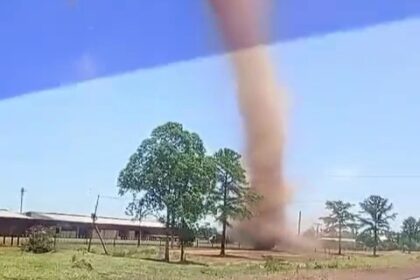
[(112, 197), (306, 202), (376, 176)]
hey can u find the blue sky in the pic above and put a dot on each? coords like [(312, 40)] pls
[(355, 108), (49, 43)]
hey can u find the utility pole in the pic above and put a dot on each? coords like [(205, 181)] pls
[(22, 192), (94, 227), (299, 222)]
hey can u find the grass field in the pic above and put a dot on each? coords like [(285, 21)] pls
[(131, 263)]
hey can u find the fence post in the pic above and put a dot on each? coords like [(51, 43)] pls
[(11, 241)]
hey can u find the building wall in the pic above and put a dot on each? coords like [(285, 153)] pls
[(19, 227), (14, 227), (106, 234), (333, 244)]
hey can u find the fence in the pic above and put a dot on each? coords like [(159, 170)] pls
[(76, 243)]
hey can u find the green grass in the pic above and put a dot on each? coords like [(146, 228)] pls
[(132, 263)]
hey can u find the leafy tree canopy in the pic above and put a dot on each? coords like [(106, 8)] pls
[(172, 172), (375, 217)]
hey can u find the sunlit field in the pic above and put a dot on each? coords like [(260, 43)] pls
[(130, 262)]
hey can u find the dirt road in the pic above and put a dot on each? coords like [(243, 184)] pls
[(411, 273)]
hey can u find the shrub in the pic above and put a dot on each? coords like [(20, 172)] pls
[(81, 263), (276, 264), (40, 240), (134, 253)]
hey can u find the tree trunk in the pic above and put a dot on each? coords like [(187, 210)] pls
[(409, 244), (167, 236), (139, 239), (139, 235), (181, 238), (172, 231), (339, 239), (182, 251), (375, 233), (223, 241)]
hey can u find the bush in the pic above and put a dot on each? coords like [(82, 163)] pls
[(81, 264), (187, 235), (134, 253), (276, 264), (40, 240)]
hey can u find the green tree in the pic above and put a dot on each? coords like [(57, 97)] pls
[(339, 219), (139, 210), (391, 241), (206, 231), (195, 183), (40, 240), (174, 175), (410, 231), (233, 199), (376, 214), (365, 238)]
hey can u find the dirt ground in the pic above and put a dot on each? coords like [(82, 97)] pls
[(375, 274), (401, 271)]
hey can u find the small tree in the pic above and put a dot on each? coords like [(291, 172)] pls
[(139, 210), (366, 239), (206, 231), (392, 241), (376, 214), (233, 199), (186, 236), (410, 231), (340, 218), (40, 240)]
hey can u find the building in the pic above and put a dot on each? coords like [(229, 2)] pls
[(13, 224), (79, 226), (332, 243)]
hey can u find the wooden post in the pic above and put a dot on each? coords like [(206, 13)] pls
[(93, 223), (18, 240), (4, 240), (100, 238), (11, 241)]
